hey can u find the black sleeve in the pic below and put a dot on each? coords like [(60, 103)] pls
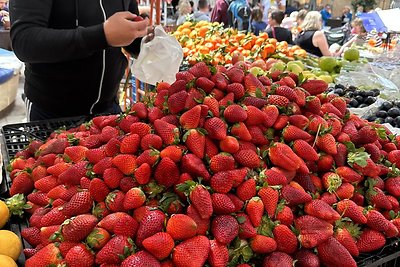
[(34, 42), (290, 38), (134, 47)]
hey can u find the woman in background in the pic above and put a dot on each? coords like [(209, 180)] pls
[(311, 38), (275, 30), (257, 24), (185, 9)]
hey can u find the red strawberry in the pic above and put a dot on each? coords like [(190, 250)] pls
[(272, 113), (247, 158), (258, 137), (240, 131), (328, 251), (148, 156), (150, 141), (191, 118), (247, 189), (53, 217), (376, 221), (126, 226), (139, 110), (31, 235), (177, 101), (194, 166), (278, 100), (76, 153), (125, 163), (291, 133), (273, 177), (222, 204), (112, 252), (204, 83), (367, 135), (95, 155), (79, 256), (370, 240), (235, 113), (322, 210), (22, 184), (212, 104), (195, 140), (152, 223), (134, 198), (299, 121), (305, 150), (115, 200), (278, 259), (306, 258), (377, 198), (237, 89), (294, 194), (313, 231), (192, 252), (112, 177), (140, 128), (73, 174), (269, 197), (392, 186), (255, 210), (160, 245), (222, 162), (202, 224), (98, 190), (263, 244), (130, 144), (98, 238), (181, 227), (169, 133), (166, 173), (283, 156), (315, 87), (344, 237), (56, 146), (255, 101), (80, 203), (229, 145), (235, 75), (172, 152), (47, 183), (255, 116), (185, 76), (284, 214), (200, 69), (327, 144), (48, 255), (224, 228), (219, 254), (222, 182), (216, 128), (78, 228), (286, 240), (347, 208)]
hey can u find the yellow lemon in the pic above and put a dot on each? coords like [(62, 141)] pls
[(6, 261), (10, 244), (4, 214)]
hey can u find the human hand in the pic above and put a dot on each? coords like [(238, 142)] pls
[(150, 34), (4, 13), (121, 29)]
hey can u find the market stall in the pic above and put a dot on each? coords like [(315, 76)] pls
[(251, 156)]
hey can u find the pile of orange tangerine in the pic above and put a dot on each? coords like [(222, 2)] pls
[(205, 41)]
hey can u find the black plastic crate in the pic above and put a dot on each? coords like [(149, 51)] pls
[(388, 256), (17, 136)]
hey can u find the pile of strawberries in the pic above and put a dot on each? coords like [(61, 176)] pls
[(221, 168)]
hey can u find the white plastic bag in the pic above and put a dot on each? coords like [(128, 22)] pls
[(159, 59)]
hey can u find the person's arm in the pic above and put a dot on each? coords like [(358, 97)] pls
[(34, 42), (347, 44), (319, 40)]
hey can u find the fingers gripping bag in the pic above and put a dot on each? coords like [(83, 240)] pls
[(159, 59)]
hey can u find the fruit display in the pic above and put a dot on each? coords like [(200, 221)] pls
[(211, 42), (356, 98), (387, 112), (221, 167)]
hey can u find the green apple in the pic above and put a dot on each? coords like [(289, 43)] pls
[(256, 71), (319, 72), (296, 69), (326, 78), (278, 66), (297, 62)]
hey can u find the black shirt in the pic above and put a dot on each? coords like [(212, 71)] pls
[(70, 68), (280, 34), (304, 40)]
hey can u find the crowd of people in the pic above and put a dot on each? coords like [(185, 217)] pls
[(285, 23)]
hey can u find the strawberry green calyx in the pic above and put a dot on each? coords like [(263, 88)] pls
[(356, 155), (17, 204)]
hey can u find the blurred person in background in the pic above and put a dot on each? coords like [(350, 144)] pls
[(292, 8), (296, 29), (347, 16), (4, 15), (257, 24), (290, 21), (360, 10), (312, 38), (220, 12), (326, 13), (275, 30), (203, 14), (184, 9)]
